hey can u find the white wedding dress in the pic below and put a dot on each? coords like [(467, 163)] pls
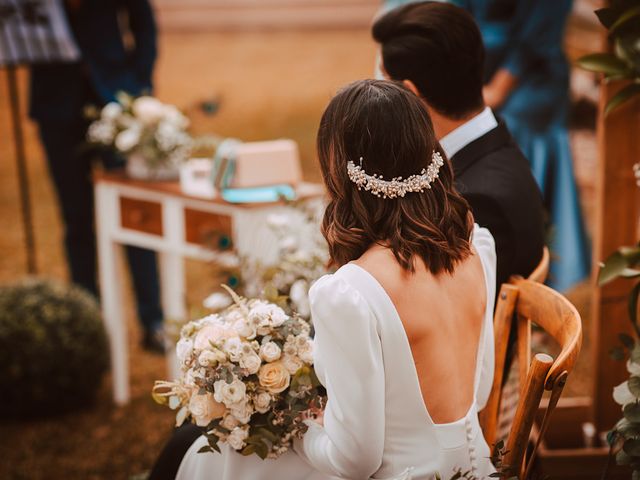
[(375, 423)]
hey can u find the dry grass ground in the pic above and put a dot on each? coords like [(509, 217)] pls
[(270, 85)]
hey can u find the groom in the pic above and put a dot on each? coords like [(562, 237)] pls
[(435, 50)]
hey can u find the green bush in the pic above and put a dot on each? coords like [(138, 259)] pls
[(53, 348)]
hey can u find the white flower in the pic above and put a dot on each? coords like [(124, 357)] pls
[(270, 352), (622, 395), (306, 352), (127, 139), (184, 348), (278, 220), (289, 243), (289, 347), (210, 358), (237, 437), (267, 312), (292, 363), (229, 422), (101, 132), (633, 368), (245, 329), (111, 111), (175, 117), (148, 110), (233, 347), (262, 401), (217, 301), (299, 294), (229, 393), (204, 409), (242, 411), (251, 363)]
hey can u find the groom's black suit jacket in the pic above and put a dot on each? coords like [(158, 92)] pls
[(495, 178)]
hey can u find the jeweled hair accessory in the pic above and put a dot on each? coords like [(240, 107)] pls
[(396, 187)]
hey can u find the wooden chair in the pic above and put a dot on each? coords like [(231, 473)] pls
[(531, 302), (542, 270), (509, 388)]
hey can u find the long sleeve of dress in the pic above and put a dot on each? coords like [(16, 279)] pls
[(348, 356)]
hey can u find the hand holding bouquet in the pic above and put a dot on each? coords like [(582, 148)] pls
[(247, 378)]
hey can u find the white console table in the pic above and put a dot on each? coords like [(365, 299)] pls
[(159, 217)]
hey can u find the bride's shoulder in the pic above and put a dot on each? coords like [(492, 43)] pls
[(336, 292)]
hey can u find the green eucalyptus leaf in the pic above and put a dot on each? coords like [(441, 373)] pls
[(603, 63), (248, 450), (205, 449), (627, 340), (634, 385), (616, 353), (631, 447), (632, 412), (621, 97), (635, 354)]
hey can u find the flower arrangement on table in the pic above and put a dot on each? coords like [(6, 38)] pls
[(302, 258), (247, 378), (150, 134)]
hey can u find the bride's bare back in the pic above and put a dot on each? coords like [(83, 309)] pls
[(442, 317)]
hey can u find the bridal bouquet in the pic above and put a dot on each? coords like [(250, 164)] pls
[(247, 378)]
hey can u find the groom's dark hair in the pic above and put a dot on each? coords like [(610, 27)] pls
[(439, 48)]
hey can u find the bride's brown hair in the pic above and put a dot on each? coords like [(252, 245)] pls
[(389, 127)]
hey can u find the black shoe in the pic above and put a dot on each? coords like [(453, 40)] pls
[(153, 341)]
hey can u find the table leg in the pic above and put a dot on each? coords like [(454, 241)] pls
[(110, 292), (172, 286)]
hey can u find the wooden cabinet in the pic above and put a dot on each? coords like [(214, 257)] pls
[(208, 229), (141, 215)]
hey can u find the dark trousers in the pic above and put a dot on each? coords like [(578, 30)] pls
[(168, 463), (70, 162)]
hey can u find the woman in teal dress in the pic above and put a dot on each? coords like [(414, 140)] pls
[(527, 84)]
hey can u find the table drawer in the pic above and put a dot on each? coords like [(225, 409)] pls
[(141, 215), (209, 229)]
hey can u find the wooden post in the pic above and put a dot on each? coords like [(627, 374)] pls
[(617, 214)]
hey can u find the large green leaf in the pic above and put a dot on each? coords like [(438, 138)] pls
[(603, 63), (632, 412), (612, 268), (632, 447), (625, 18), (621, 97), (634, 386)]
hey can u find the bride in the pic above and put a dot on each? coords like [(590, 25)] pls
[(404, 338)]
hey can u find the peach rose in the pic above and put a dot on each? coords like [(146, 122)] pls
[(274, 377), (204, 409)]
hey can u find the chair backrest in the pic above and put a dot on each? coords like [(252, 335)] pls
[(542, 270), (497, 420), (531, 302)]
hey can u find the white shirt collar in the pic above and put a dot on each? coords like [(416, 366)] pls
[(466, 133)]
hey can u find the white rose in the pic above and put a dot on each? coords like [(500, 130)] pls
[(229, 393), (101, 132), (245, 329), (127, 139), (278, 220), (299, 294), (622, 395), (229, 422), (237, 437), (262, 401), (251, 363), (233, 347), (204, 409), (633, 368), (184, 348), (111, 111), (270, 352), (175, 116), (306, 352), (217, 301), (292, 363), (148, 110), (242, 411), (209, 358)]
